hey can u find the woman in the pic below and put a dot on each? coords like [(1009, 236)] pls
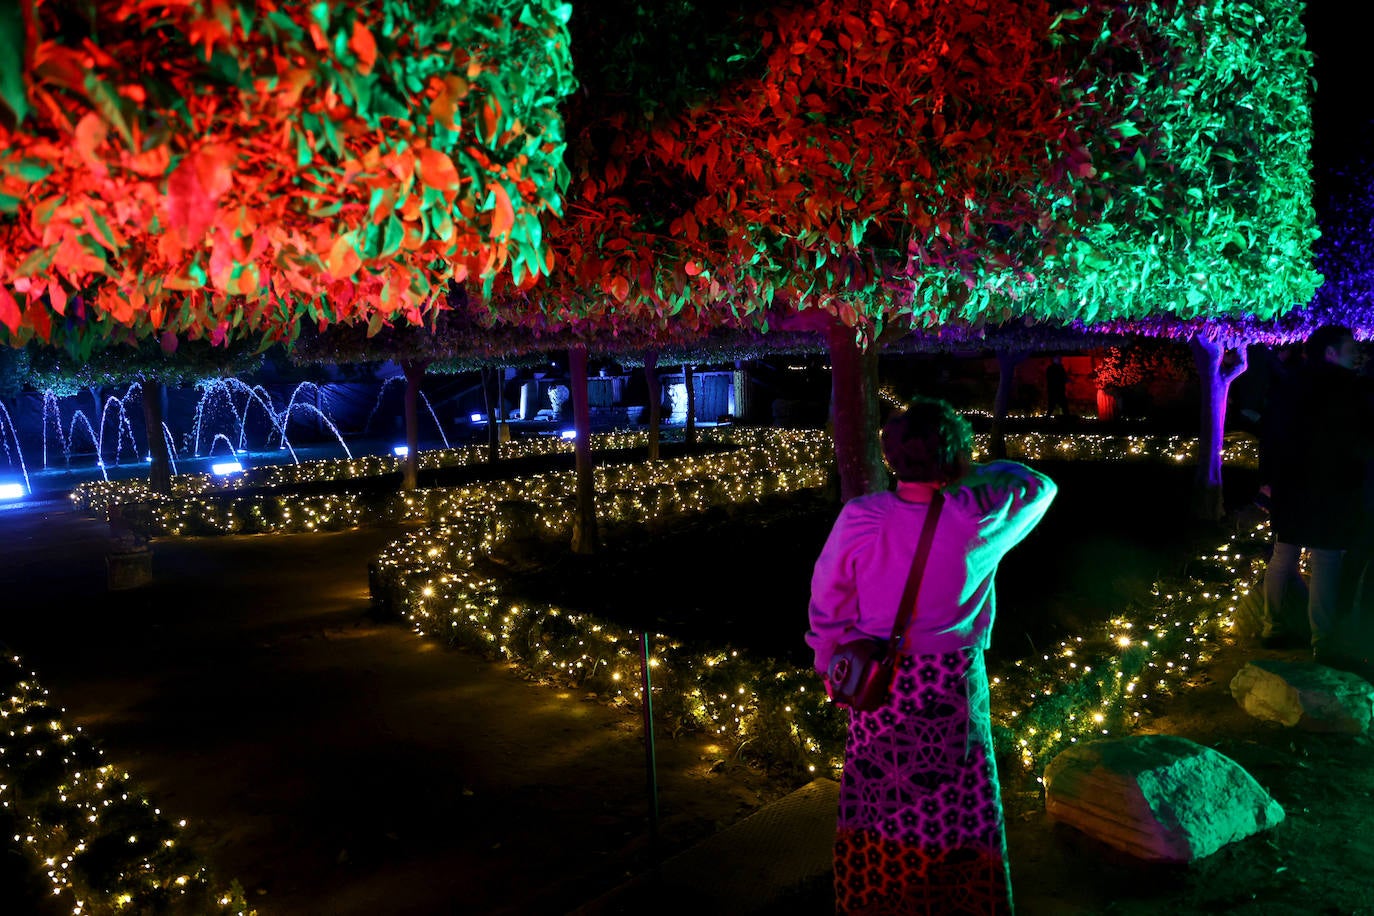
[(920, 826)]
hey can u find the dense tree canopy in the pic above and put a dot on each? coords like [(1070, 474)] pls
[(219, 167), (1209, 223)]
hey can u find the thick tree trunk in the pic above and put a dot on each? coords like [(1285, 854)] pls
[(415, 372), (854, 414), (689, 435), (160, 468), (1007, 361), (655, 401), (1208, 355), (584, 539)]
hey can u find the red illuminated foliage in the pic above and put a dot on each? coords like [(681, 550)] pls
[(220, 167)]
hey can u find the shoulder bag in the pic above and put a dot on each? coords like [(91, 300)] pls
[(859, 675)]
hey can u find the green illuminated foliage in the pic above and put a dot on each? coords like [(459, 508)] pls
[(1207, 215)]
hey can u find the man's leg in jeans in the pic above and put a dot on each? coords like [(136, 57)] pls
[(1282, 579), (1324, 598)]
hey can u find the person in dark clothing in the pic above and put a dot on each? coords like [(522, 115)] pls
[(1314, 452), (1056, 388)]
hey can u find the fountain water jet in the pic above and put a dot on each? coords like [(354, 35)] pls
[(6, 421), (386, 383)]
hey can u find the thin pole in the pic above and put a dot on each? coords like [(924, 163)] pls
[(650, 764)]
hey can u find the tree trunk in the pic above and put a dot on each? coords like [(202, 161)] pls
[(160, 468), (584, 539), (854, 414), (689, 431), (1007, 361), (1208, 356), (655, 401), (415, 372), (503, 424), (492, 410)]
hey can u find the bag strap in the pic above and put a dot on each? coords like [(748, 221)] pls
[(913, 579)]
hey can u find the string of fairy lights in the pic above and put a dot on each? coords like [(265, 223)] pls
[(204, 505), (102, 845), (1095, 684), (1098, 683)]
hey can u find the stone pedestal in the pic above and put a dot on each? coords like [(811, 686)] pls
[(128, 568), (529, 400)]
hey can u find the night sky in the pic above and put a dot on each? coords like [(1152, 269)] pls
[(1342, 108)]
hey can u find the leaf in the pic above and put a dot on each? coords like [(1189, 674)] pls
[(365, 46), (213, 168), (395, 235), (190, 209), (452, 90), (503, 214), (9, 310), (91, 131), (343, 260), (491, 116), (12, 90), (110, 106), (437, 170), (38, 319)]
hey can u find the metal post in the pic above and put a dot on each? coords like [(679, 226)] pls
[(649, 761)]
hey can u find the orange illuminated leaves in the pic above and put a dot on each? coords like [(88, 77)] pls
[(364, 46), (343, 260), (503, 214), (91, 131), (437, 170), (449, 92)]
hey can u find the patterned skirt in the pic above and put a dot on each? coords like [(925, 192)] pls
[(920, 828)]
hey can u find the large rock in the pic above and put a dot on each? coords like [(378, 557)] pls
[(1304, 694), (1157, 797)]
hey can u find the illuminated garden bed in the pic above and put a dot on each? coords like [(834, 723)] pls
[(201, 504), (104, 847), (1097, 683)]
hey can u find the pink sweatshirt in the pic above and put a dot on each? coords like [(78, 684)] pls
[(859, 577)]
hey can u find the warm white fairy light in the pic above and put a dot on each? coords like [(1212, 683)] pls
[(60, 806)]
